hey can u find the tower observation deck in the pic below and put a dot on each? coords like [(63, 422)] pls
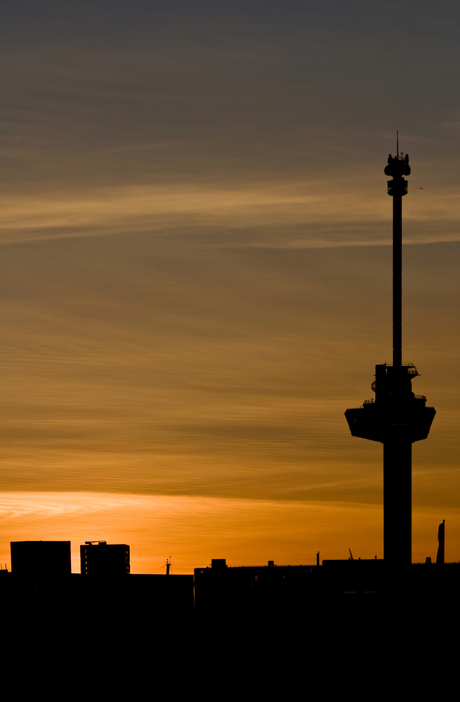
[(396, 417)]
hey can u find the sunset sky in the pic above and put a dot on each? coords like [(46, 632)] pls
[(195, 272)]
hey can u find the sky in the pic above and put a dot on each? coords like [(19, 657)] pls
[(195, 273)]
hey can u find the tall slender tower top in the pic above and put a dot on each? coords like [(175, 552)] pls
[(397, 167)]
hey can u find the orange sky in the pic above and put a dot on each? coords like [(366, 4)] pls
[(196, 274)]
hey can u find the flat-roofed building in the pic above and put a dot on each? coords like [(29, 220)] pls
[(103, 559), (40, 558)]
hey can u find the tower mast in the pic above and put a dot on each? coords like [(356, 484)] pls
[(396, 417)]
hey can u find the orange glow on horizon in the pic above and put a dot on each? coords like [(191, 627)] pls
[(193, 530)]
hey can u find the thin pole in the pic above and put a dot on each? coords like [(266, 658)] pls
[(397, 278)]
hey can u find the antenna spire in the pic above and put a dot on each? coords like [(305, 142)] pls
[(397, 143)]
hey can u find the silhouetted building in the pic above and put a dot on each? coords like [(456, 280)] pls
[(40, 558), (270, 588), (103, 559), (396, 417)]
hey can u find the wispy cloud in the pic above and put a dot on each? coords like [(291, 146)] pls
[(293, 215)]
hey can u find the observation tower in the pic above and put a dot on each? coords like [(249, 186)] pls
[(396, 417)]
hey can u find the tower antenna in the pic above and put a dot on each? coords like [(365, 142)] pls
[(397, 144)]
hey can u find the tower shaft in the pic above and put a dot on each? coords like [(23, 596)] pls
[(397, 280), (397, 501)]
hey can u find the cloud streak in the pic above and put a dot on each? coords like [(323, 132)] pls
[(295, 215)]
